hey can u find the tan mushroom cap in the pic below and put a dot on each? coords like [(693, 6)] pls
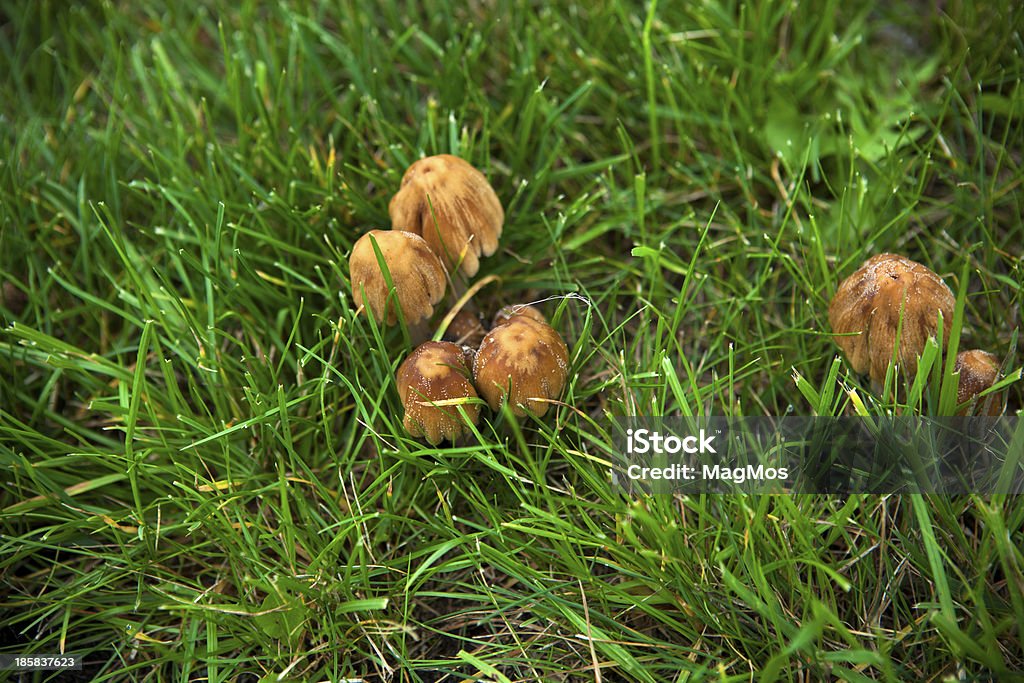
[(978, 371), (525, 359), (465, 329), (451, 205), (417, 274), (436, 372), (511, 311), (869, 302)]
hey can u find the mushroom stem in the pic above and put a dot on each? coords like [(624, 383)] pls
[(463, 299), (459, 287), (419, 332)]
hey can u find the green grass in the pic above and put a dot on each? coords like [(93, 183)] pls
[(203, 472)]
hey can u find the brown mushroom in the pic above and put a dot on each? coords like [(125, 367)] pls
[(978, 371), (465, 329), (514, 311), (524, 362), (430, 383), (416, 273), (451, 205), (868, 305)]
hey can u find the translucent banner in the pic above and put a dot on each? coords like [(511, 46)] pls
[(950, 455)]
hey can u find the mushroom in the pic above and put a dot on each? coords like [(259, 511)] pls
[(868, 305), (978, 371), (415, 271), (451, 205), (507, 313), (524, 362), (465, 329), (431, 382)]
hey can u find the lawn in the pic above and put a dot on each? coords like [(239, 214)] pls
[(203, 469)]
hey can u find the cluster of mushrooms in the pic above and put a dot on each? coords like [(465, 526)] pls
[(890, 296), (445, 217)]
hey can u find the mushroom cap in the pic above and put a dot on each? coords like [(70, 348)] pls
[(978, 371), (465, 329), (417, 274), (525, 359), (451, 205), (511, 311), (436, 372), (869, 302)]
